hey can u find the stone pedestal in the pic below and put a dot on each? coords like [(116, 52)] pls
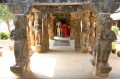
[(101, 71), (20, 70), (104, 70), (38, 48)]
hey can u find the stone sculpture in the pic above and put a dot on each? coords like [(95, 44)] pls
[(37, 34), (18, 36), (58, 28), (107, 37), (92, 29), (104, 49), (85, 28), (21, 50)]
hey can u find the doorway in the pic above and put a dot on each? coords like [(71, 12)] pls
[(62, 25)]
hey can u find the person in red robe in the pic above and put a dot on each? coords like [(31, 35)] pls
[(64, 30)]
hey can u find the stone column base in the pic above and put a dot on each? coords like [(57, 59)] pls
[(17, 70), (38, 48), (101, 71), (104, 71), (20, 71)]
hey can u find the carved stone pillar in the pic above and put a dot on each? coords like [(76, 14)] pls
[(103, 48), (51, 28), (104, 37), (72, 28), (77, 34), (77, 26), (20, 37), (31, 27), (92, 29), (85, 29), (38, 29), (45, 36), (21, 47)]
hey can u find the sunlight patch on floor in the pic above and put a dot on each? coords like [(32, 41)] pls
[(45, 66)]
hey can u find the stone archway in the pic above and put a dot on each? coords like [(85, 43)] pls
[(76, 12)]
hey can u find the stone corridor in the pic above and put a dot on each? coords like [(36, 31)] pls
[(61, 62)]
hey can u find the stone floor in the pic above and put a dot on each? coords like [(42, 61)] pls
[(61, 62)]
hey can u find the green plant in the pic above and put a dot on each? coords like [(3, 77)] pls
[(6, 15), (4, 35), (113, 45), (115, 29)]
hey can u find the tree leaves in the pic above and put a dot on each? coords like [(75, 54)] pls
[(5, 14)]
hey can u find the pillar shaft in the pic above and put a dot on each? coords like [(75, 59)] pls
[(45, 36), (77, 34), (51, 28), (31, 29), (72, 28)]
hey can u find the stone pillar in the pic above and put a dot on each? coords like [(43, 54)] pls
[(21, 47), (104, 37), (103, 45), (31, 28), (77, 16), (51, 28), (72, 28), (38, 29), (77, 34), (92, 29), (45, 36), (85, 29)]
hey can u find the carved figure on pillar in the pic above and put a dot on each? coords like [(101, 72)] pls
[(92, 35), (58, 28), (85, 28), (37, 34), (18, 36), (21, 50), (104, 49), (92, 29), (107, 37)]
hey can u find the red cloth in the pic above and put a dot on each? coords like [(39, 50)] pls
[(65, 34)]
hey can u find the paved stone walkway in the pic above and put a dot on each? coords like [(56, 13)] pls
[(61, 62)]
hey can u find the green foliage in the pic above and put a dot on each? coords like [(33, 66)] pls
[(113, 45), (5, 14), (4, 35), (115, 29)]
